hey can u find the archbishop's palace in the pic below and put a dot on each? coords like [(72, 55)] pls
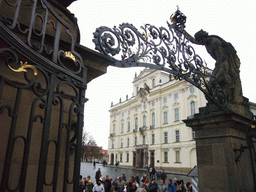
[(147, 129)]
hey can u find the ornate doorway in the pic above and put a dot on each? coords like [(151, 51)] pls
[(152, 159)]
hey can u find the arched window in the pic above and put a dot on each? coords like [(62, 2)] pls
[(153, 119), (144, 121), (136, 123), (114, 128), (192, 107)]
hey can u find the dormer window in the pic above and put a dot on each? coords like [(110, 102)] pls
[(153, 83)]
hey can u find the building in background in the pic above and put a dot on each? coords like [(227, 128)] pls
[(147, 129)]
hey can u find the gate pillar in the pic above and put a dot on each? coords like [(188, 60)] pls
[(219, 136), (43, 77)]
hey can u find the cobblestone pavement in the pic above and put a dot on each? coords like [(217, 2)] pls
[(88, 169)]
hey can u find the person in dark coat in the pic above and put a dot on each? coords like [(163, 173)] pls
[(163, 176), (153, 187), (153, 173), (107, 184), (137, 178), (123, 177), (97, 175)]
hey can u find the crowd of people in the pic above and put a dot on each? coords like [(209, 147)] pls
[(133, 184)]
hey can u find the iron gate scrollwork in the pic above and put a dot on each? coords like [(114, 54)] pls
[(42, 95), (160, 48)]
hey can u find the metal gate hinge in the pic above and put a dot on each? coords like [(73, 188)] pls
[(241, 150)]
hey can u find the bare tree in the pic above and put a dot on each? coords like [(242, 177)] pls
[(90, 150)]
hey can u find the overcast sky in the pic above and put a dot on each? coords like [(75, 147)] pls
[(232, 20)]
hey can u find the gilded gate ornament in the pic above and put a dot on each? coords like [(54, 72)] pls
[(23, 66)]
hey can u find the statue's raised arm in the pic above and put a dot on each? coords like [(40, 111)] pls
[(226, 71)]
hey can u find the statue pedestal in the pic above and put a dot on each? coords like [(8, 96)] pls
[(217, 135)]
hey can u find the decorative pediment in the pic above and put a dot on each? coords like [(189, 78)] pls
[(192, 96), (144, 112), (175, 103), (152, 109), (165, 106)]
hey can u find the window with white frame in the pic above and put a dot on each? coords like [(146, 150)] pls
[(128, 126), (177, 116), (153, 139), (153, 103), (165, 137), (177, 156), (165, 99), (193, 134), (136, 123), (144, 120), (128, 142), (122, 128), (192, 107), (144, 139), (129, 112), (153, 119), (127, 157), (135, 141), (113, 145), (121, 157), (192, 90), (122, 144), (165, 156), (114, 128), (122, 115), (153, 83), (176, 96), (177, 136), (145, 106), (165, 117)]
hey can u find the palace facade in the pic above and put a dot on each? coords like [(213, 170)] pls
[(147, 129)]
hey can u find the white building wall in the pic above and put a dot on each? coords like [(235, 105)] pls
[(157, 94)]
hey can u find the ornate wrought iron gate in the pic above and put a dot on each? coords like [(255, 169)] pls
[(42, 91)]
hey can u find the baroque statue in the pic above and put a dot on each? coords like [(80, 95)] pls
[(226, 71)]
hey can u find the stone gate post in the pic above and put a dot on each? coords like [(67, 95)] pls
[(218, 133)]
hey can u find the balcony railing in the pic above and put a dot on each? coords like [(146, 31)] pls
[(143, 128), (152, 126)]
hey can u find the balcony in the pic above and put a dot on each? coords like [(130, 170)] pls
[(135, 130), (152, 127), (143, 128), (112, 134)]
